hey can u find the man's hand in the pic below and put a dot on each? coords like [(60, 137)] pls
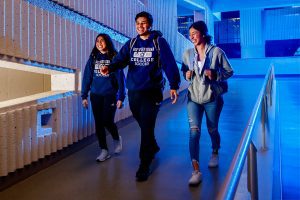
[(174, 95), (104, 70), (119, 104), (85, 103)]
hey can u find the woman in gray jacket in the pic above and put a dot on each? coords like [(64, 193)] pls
[(207, 68)]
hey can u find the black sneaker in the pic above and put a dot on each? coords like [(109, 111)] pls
[(142, 173)]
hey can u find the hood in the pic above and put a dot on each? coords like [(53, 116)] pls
[(155, 34), (208, 47)]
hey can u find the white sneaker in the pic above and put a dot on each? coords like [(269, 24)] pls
[(196, 178), (118, 145), (214, 160), (104, 155)]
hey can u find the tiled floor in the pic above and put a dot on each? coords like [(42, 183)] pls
[(80, 177), (289, 129)]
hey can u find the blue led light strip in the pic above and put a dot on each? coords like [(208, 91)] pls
[(48, 66), (79, 19)]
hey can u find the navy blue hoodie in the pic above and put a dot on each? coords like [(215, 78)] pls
[(94, 81), (142, 59)]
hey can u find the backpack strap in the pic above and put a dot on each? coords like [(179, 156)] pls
[(210, 53), (132, 41), (156, 45)]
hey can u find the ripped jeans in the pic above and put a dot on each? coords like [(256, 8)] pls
[(195, 114)]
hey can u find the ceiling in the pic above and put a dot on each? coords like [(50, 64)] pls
[(188, 6)]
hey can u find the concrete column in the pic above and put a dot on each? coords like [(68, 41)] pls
[(199, 15), (252, 39)]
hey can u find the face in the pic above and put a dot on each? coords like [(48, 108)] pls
[(196, 37), (100, 44), (142, 26)]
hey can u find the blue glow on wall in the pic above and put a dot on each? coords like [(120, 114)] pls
[(54, 97), (47, 66), (79, 19), (44, 122)]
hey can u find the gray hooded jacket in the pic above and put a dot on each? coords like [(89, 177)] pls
[(201, 89)]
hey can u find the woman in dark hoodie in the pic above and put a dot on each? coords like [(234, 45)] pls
[(107, 93), (147, 56)]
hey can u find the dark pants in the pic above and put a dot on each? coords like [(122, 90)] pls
[(104, 110), (144, 106)]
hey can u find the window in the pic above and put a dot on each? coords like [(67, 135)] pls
[(282, 33), (227, 33), (184, 22)]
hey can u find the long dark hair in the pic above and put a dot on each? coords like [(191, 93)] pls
[(202, 28), (111, 50)]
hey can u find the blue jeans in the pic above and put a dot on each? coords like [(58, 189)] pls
[(195, 114)]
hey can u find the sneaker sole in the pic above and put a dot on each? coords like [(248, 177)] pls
[(213, 166), (194, 184), (107, 157)]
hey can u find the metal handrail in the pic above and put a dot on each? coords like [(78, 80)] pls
[(234, 173)]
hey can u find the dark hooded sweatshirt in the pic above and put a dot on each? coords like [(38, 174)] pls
[(94, 81), (145, 68)]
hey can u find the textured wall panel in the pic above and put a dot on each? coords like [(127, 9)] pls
[(58, 22), (251, 23), (59, 119), (27, 136), (19, 138), (9, 26), (80, 119), (65, 122), (3, 145), (63, 39), (55, 126), (32, 32), (11, 142), (2, 27), (46, 38), (70, 119), (52, 33), (47, 142), (17, 28), (39, 35), (41, 147), (25, 30), (34, 140), (75, 118), (78, 46), (69, 43)]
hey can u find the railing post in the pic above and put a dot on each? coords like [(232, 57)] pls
[(252, 182), (264, 119)]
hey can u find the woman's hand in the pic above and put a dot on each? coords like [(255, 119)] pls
[(188, 75), (119, 104), (85, 103), (212, 75)]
